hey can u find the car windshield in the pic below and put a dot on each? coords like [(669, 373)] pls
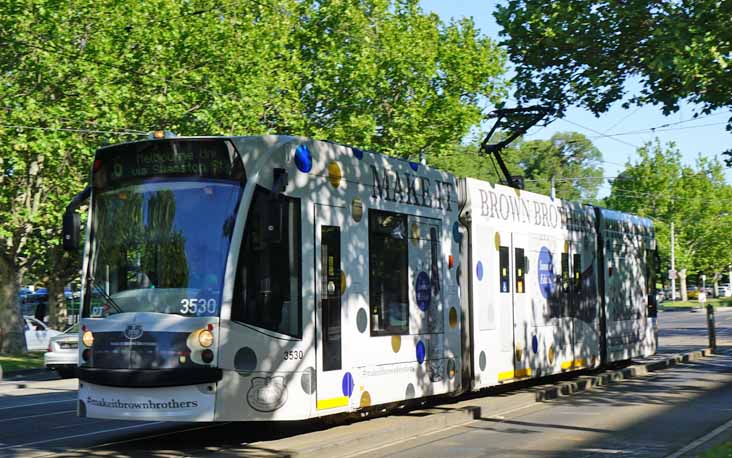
[(160, 245)]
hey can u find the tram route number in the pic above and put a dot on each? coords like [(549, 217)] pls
[(193, 305), (296, 354)]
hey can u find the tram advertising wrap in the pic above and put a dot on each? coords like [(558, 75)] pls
[(282, 278)]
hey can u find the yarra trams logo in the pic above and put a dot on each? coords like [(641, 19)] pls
[(133, 331)]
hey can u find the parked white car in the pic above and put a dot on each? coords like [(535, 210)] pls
[(37, 334), (63, 354)]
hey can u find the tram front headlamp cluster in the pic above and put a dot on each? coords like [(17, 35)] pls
[(87, 338), (205, 338)]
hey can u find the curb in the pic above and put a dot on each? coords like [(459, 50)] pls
[(609, 377), (363, 437)]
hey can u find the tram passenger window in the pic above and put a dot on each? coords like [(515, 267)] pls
[(503, 267), (520, 261), (388, 273), (577, 270), (565, 273), (268, 278)]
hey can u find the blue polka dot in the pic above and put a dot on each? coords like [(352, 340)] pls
[(479, 270), (358, 153), (535, 344), (347, 384), (420, 352), (303, 160), (414, 165), (456, 235)]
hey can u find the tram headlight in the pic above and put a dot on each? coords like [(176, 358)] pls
[(87, 338), (205, 338)]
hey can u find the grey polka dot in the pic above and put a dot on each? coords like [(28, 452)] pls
[(245, 360), (410, 392), (308, 381), (482, 361), (361, 320)]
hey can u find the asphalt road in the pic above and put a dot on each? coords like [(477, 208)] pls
[(649, 417)]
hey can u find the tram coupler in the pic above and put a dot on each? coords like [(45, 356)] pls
[(711, 329)]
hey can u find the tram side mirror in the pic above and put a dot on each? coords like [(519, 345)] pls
[(71, 231)]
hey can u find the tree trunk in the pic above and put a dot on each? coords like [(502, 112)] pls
[(12, 338), (682, 285), (57, 311), (716, 278)]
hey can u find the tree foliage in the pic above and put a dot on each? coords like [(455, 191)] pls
[(75, 75), (583, 52), (695, 198)]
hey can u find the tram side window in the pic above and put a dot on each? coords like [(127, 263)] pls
[(503, 269), (577, 270), (268, 277), (565, 273), (388, 273), (520, 261)]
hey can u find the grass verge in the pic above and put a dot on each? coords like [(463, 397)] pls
[(720, 451), (12, 363), (719, 302)]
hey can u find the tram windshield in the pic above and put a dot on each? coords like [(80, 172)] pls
[(161, 247), (160, 241)]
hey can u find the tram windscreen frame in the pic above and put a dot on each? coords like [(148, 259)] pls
[(161, 228)]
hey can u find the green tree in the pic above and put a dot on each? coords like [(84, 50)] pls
[(583, 52), (696, 199), (75, 75), (569, 157)]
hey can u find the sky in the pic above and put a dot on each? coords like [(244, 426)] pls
[(630, 128)]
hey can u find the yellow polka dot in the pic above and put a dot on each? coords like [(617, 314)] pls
[(519, 354), (365, 400), (566, 246), (343, 282), (453, 317), (415, 233), (334, 174), (551, 354), (498, 241), (396, 343)]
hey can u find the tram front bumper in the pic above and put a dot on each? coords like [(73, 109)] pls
[(171, 403)]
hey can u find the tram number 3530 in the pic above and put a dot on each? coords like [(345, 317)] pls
[(296, 354), (197, 306)]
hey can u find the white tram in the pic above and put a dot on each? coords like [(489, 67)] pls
[(282, 278)]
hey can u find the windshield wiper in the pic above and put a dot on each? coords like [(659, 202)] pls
[(106, 296)]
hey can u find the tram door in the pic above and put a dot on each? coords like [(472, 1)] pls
[(504, 292), (523, 326), (329, 257)]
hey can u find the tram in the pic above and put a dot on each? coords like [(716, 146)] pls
[(282, 278)]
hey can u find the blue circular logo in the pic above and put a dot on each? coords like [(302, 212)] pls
[(479, 270), (546, 272), (424, 291)]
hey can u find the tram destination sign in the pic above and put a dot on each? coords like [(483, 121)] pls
[(199, 158)]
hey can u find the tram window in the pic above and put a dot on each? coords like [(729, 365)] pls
[(577, 270), (503, 267), (388, 273), (520, 262), (268, 278), (565, 273)]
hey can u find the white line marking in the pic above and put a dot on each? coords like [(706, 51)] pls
[(702, 440), (57, 439), (36, 416), (37, 404)]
